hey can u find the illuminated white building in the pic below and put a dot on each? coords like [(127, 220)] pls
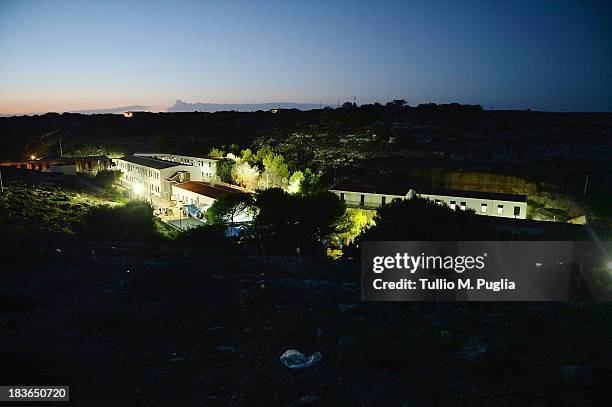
[(206, 165), (152, 177), (483, 203)]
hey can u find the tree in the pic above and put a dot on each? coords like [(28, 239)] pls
[(354, 223), (225, 209), (285, 220), (422, 219), (246, 155), (107, 178), (264, 151), (224, 170), (275, 172), (216, 153), (246, 175), (161, 143), (311, 184), (295, 182)]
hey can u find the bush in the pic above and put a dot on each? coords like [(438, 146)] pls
[(133, 220), (207, 237)]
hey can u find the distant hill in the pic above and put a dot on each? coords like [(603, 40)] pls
[(131, 108), (180, 106)]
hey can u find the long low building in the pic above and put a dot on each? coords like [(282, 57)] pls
[(483, 203), (207, 165), (89, 165), (204, 194)]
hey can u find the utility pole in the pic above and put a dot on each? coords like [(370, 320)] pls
[(1, 184), (586, 184), (61, 153)]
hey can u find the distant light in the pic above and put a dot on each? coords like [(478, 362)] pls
[(32, 157), (137, 188), (128, 114)]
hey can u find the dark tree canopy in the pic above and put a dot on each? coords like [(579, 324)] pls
[(286, 221), (224, 170), (226, 208), (422, 219)]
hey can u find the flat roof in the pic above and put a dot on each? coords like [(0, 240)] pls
[(371, 189), (473, 194), (209, 189), (151, 162), (204, 156)]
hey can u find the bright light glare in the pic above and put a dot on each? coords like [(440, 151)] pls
[(137, 188), (32, 157), (609, 265)]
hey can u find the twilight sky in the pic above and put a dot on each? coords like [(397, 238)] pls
[(73, 55)]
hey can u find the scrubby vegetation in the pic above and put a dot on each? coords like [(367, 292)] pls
[(132, 221)]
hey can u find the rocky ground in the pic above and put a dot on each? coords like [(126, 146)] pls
[(141, 324)]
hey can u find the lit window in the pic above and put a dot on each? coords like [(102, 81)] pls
[(500, 209), (463, 206), (453, 205), (483, 208)]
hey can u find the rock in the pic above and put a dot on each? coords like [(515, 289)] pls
[(176, 357), (317, 332), (9, 321), (228, 349), (575, 374), (474, 349), (347, 341), (309, 400), (315, 283), (350, 287), (72, 336), (347, 308), (216, 331)]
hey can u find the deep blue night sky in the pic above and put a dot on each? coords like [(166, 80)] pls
[(69, 55)]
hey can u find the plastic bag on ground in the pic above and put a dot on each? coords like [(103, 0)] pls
[(296, 360)]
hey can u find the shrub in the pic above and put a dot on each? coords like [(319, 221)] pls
[(133, 220)]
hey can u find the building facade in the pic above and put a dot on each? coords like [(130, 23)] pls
[(152, 177), (483, 203), (203, 194), (206, 165)]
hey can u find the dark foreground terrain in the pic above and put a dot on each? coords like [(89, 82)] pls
[(140, 324)]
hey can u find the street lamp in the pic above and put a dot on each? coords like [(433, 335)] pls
[(137, 189)]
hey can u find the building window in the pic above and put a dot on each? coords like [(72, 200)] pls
[(483, 208), (362, 201), (342, 196), (453, 205), (463, 206), (384, 200), (517, 211), (500, 209)]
